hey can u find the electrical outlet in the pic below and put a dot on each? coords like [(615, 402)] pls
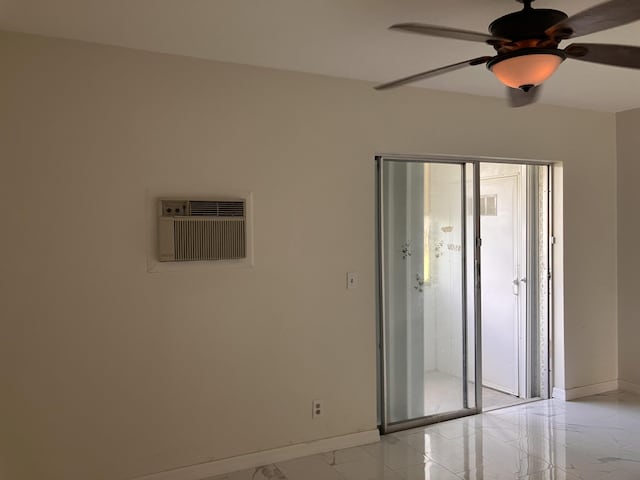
[(317, 409)]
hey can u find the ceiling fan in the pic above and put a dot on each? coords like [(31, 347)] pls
[(527, 43)]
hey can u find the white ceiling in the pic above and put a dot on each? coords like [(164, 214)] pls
[(342, 38)]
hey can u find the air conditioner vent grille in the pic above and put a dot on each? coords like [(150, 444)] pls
[(216, 208), (203, 239)]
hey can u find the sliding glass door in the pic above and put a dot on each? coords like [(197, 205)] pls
[(455, 337), (427, 291)]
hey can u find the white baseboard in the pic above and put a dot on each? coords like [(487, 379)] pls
[(559, 393), (585, 391), (257, 459), (629, 387)]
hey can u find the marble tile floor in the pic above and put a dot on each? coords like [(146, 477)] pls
[(443, 393), (595, 438), (496, 399)]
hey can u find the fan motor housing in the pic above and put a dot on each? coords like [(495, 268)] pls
[(526, 24)]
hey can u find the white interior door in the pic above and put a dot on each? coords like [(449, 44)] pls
[(500, 283)]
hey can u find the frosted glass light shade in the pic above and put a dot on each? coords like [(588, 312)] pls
[(526, 68)]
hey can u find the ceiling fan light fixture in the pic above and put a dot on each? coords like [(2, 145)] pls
[(526, 67)]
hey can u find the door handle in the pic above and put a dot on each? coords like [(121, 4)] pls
[(516, 286)]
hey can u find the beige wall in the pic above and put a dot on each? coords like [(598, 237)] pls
[(109, 372), (628, 241)]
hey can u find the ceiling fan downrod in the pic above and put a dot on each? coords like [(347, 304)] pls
[(527, 4)]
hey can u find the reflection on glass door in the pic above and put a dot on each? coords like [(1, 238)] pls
[(427, 233)]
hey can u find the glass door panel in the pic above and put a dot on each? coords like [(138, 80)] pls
[(428, 323)]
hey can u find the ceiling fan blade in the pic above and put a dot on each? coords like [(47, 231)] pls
[(433, 73), (616, 55), (436, 31), (613, 13), (519, 98)]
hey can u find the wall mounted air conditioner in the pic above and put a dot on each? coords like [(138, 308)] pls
[(191, 230)]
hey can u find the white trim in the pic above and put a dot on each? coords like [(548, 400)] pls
[(266, 457), (558, 393), (629, 387), (585, 391)]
